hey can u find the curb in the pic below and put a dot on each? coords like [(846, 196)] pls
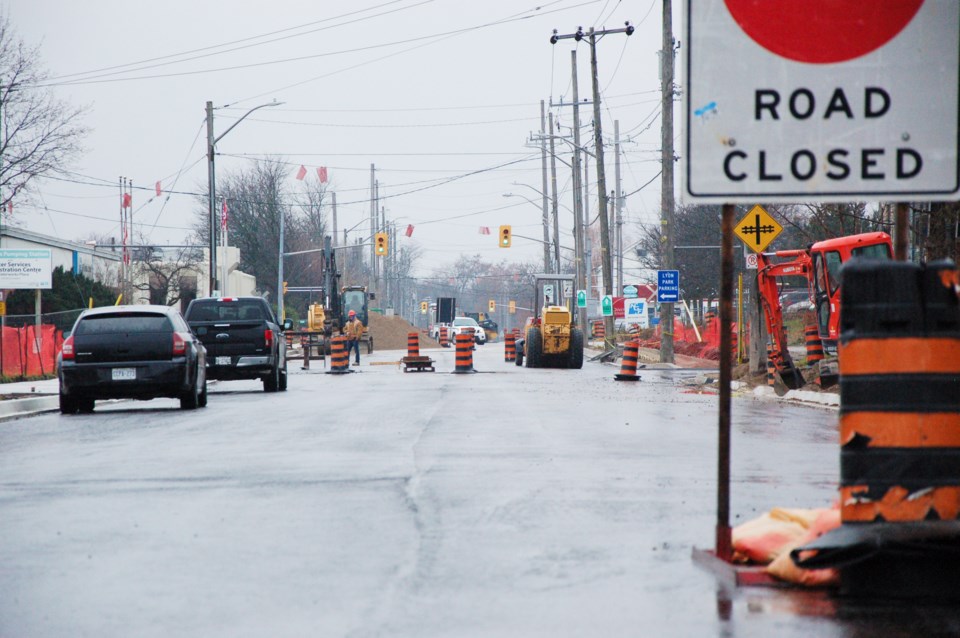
[(19, 408)]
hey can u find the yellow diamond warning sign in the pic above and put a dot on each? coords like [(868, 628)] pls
[(757, 229)]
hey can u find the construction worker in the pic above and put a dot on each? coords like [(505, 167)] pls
[(353, 330)]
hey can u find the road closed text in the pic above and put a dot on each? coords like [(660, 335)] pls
[(866, 108)]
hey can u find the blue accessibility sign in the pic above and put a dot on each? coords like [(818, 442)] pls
[(668, 286)]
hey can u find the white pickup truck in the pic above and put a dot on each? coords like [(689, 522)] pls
[(461, 324)]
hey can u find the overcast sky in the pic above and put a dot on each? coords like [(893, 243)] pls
[(441, 95)]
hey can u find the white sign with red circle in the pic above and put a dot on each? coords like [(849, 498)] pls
[(821, 100)]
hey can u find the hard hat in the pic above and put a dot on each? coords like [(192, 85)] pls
[(352, 313)]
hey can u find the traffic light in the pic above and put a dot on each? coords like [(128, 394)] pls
[(423, 307), (492, 305), (284, 287), (505, 236), (512, 307), (382, 247)]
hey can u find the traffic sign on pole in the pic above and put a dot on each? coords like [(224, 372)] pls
[(668, 286), (606, 306), (757, 229), (581, 299), (821, 100)]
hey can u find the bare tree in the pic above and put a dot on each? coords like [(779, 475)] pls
[(38, 133), (168, 276)]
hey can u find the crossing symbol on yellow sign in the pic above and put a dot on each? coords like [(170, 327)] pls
[(757, 229)]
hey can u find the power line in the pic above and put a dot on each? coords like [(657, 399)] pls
[(231, 43)]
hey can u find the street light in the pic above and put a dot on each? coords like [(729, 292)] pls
[(212, 182)]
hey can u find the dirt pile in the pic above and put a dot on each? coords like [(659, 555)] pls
[(390, 333)]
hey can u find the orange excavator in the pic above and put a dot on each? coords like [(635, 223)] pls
[(820, 266)]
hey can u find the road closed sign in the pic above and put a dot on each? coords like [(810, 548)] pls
[(821, 100)]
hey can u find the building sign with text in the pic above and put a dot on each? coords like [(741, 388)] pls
[(26, 269)]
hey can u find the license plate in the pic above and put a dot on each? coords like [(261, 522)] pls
[(124, 374), (223, 361)]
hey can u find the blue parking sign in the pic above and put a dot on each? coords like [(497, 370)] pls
[(668, 286)]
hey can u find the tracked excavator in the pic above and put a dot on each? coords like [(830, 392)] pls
[(819, 265)]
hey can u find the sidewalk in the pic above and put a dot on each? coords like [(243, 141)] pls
[(23, 398)]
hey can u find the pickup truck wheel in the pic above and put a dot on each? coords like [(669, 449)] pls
[(85, 405), (202, 399), (68, 405), (271, 382), (519, 359), (283, 378)]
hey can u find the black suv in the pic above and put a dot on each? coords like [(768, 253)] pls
[(134, 352), (243, 339)]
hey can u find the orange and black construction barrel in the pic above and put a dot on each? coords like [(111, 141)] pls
[(814, 345), (444, 339), (599, 330), (628, 368), (464, 354), (339, 357), (413, 344), (509, 347), (899, 359)]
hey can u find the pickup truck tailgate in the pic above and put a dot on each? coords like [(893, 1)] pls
[(232, 338)]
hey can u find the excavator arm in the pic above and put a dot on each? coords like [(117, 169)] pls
[(798, 264)]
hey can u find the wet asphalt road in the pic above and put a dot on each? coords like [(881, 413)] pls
[(511, 502)]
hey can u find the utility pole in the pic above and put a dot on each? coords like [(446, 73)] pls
[(334, 197), (577, 195), (587, 239), (543, 189), (211, 178), (281, 311), (553, 179), (618, 198), (610, 334), (373, 225), (666, 189), (601, 177)]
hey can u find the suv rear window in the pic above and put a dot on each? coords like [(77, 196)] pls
[(226, 311), (126, 322)]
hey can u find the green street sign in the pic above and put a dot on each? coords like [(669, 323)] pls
[(606, 306), (581, 299)]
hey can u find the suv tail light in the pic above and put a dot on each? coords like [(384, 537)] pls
[(179, 344), (268, 338), (68, 353)]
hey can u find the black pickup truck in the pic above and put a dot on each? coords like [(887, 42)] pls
[(243, 339)]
